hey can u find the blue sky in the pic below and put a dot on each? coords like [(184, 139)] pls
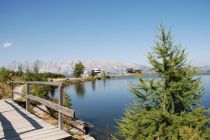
[(119, 30)]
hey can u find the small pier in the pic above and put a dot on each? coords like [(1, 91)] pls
[(16, 123)]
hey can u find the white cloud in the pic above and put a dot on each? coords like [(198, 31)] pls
[(7, 44)]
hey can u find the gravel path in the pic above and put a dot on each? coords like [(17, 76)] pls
[(18, 89)]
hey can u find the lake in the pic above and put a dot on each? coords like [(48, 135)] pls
[(101, 102)]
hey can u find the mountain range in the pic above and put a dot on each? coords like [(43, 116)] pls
[(113, 67)]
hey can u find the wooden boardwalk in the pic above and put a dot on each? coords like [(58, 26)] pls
[(16, 123)]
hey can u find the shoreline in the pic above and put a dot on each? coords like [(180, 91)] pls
[(69, 81)]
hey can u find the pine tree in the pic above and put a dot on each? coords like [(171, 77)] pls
[(67, 101), (78, 69), (167, 107)]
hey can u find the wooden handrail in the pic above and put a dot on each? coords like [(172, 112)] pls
[(54, 106), (58, 107), (56, 84)]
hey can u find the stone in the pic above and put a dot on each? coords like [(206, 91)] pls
[(88, 137)]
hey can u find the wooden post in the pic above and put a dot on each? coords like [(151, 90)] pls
[(27, 100), (60, 102), (12, 93), (3, 86)]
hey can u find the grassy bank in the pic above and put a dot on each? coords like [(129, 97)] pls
[(5, 91), (68, 81)]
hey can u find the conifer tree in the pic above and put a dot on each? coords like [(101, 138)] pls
[(78, 69), (167, 107)]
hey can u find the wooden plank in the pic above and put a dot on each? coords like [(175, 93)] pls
[(6, 110), (46, 132), (2, 100), (6, 101), (19, 121), (58, 137), (24, 113), (27, 128), (57, 84), (66, 111), (51, 136), (27, 100), (36, 133), (9, 110), (12, 88), (17, 115), (60, 102), (21, 124), (19, 118), (27, 132), (32, 131), (3, 107), (13, 114)]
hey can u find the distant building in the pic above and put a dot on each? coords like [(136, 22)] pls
[(129, 70), (95, 72)]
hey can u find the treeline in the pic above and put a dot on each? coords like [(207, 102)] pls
[(8, 74), (45, 75)]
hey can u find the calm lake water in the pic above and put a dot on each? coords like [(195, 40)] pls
[(101, 102)]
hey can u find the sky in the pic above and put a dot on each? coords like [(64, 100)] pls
[(112, 30)]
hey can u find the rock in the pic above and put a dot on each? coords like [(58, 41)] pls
[(79, 125), (78, 130), (40, 111), (88, 137), (19, 90), (75, 131)]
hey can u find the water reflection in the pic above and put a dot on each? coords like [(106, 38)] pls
[(52, 92), (101, 102), (80, 89), (104, 83), (93, 83)]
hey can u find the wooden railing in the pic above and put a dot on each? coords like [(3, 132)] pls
[(58, 107)]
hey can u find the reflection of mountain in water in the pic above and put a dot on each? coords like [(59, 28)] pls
[(80, 89)]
